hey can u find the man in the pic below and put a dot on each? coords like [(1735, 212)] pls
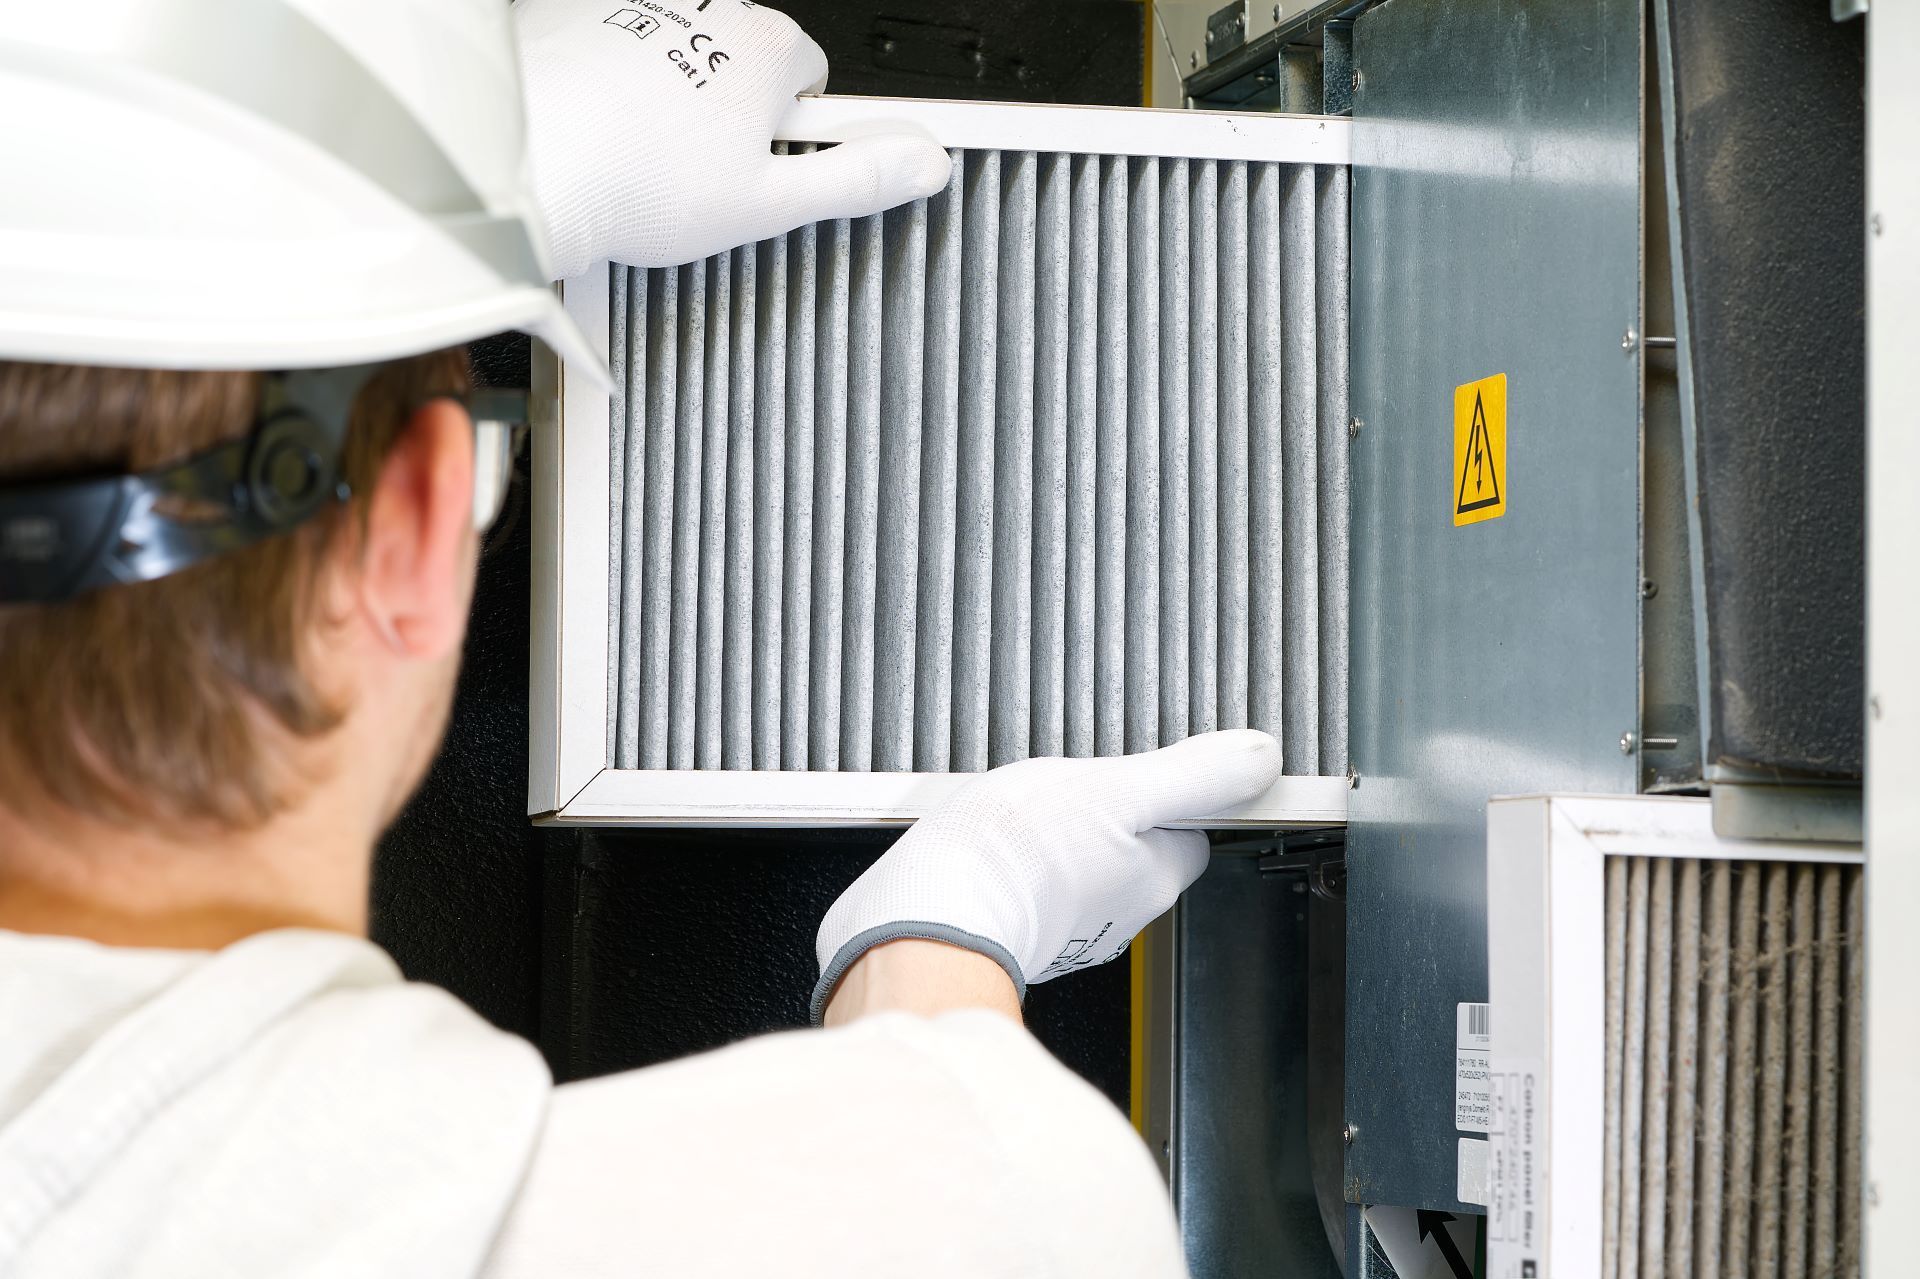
[(240, 495)]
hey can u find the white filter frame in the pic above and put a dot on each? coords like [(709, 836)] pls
[(1546, 962), (570, 779)]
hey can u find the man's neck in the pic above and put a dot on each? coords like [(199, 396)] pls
[(198, 891)]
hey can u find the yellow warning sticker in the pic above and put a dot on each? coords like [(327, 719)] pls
[(1479, 489)]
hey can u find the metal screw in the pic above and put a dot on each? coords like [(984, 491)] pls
[(1649, 588), (1353, 428), (1629, 341), (1193, 59), (1874, 222), (1351, 1131), (1626, 742), (1353, 778), (1356, 79), (1873, 704), (1276, 13)]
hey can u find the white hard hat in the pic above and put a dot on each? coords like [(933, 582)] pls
[(266, 184)]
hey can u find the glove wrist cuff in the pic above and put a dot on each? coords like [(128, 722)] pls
[(901, 930)]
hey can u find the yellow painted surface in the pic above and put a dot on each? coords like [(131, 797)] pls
[(1137, 1036), (1479, 484)]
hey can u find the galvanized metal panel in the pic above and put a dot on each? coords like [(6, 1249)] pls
[(1496, 229), (1240, 1126)]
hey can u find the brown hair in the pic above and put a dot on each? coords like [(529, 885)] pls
[(155, 702)]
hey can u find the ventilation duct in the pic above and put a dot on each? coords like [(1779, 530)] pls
[(1051, 463)]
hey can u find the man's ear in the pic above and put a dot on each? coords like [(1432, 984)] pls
[(417, 562)]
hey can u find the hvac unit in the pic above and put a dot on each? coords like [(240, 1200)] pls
[(1677, 1021), (1051, 463)]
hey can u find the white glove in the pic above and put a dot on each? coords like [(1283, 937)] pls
[(650, 129), (1048, 865)]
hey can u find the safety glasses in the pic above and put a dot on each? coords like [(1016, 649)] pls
[(65, 538), (499, 428)]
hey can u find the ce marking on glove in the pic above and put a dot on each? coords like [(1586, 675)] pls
[(699, 48), (1077, 953)]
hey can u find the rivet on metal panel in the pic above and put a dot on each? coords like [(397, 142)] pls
[(1629, 340), (1627, 743), (1351, 1131), (1353, 778), (1193, 60), (1276, 13), (1649, 588), (1353, 428)]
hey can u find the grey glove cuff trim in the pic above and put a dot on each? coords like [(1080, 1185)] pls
[(861, 943)]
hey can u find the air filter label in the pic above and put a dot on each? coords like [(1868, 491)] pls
[(1479, 488), (1472, 1097)]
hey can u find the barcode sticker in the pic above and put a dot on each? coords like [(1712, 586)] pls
[(1472, 1099)]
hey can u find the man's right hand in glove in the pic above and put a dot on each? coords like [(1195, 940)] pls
[(1040, 868)]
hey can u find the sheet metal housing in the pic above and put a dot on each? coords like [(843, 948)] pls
[(1496, 229)]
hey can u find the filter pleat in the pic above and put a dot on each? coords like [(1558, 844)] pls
[(1203, 463), (656, 617), (627, 419), (864, 367), (830, 493), (711, 584), (1829, 963), (736, 657), (1330, 494), (1796, 1207), (1717, 946), (1084, 285), (940, 477), (1615, 1010), (1266, 425), (689, 461), (803, 247), (1234, 509), (1771, 1123), (1110, 484), (1634, 1057), (1143, 457), (1176, 517), (1658, 1069), (903, 390), (770, 514), (1010, 701), (1052, 281), (1741, 1082), (1683, 1112), (1300, 473), (1853, 1076), (979, 386)]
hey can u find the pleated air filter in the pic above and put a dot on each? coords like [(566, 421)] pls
[(1053, 463), (1677, 1046), (1734, 1042)]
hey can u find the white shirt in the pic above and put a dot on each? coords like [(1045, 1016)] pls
[(290, 1106)]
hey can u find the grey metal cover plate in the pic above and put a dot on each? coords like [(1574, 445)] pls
[(1496, 229)]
